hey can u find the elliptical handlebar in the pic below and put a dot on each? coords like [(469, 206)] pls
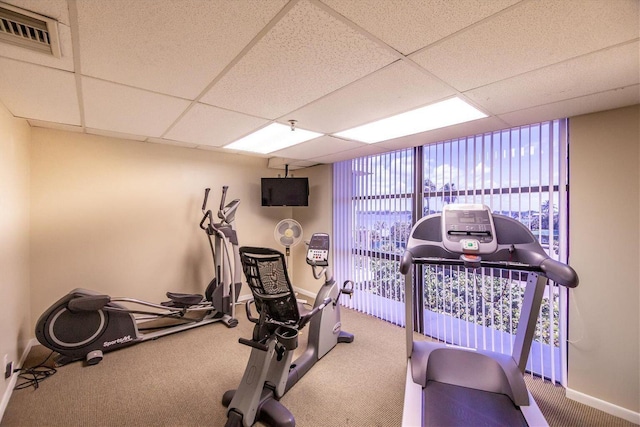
[(224, 196), (207, 213), (204, 218), (223, 213), (206, 196)]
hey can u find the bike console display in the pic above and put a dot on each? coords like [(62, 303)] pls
[(318, 251), (468, 229)]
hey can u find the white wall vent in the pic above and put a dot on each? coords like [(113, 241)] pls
[(29, 30)]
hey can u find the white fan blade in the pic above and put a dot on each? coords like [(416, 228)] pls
[(283, 227), (286, 241)]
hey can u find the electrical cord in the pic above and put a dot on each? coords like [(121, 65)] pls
[(35, 375)]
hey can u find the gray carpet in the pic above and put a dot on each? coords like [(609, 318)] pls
[(178, 380)]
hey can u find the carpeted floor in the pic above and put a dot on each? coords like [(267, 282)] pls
[(178, 380)]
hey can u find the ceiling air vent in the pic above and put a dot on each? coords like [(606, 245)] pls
[(29, 30)]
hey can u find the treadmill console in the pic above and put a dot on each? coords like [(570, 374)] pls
[(468, 229), (318, 251)]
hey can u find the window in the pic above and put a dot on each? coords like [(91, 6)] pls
[(518, 172), (373, 199)]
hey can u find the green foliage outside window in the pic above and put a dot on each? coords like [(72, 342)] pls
[(484, 300)]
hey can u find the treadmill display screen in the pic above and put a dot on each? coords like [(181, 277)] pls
[(468, 230)]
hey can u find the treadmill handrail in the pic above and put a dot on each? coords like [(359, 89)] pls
[(559, 272)]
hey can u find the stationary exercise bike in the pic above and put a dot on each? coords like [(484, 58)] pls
[(84, 324), (270, 372)]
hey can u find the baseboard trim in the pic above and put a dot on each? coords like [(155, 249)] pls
[(14, 378), (604, 406), (306, 293)]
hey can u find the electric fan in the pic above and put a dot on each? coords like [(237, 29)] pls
[(288, 233)]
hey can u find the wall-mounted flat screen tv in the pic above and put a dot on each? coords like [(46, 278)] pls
[(285, 191)]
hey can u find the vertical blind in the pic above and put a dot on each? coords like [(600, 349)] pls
[(373, 198), (518, 172)]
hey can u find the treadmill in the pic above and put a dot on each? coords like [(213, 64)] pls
[(457, 386)]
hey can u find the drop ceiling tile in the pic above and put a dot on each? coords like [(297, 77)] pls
[(40, 93), (364, 150), (394, 89), (117, 108), (171, 142), (529, 36), (119, 135), (602, 101), (293, 164), (53, 125), (207, 125), (566, 80), (412, 24), (177, 48), (224, 150), (462, 130), (318, 147), (307, 54)]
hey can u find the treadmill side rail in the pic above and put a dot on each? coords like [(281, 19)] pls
[(412, 410)]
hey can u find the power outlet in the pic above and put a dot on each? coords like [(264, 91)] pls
[(8, 367)]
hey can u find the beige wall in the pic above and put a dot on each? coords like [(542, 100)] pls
[(316, 218), (121, 217), (604, 326), (15, 327)]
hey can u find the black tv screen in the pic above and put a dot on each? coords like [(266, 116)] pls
[(285, 191)]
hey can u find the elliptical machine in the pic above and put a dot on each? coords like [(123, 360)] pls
[(270, 373), (84, 324)]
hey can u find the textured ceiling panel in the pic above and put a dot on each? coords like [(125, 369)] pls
[(206, 125), (532, 35), (450, 132), (365, 150), (41, 93), (409, 25), (293, 164), (172, 142), (177, 49), (54, 125), (618, 98), (394, 89), (318, 147), (569, 79), (308, 54), (109, 106), (197, 72)]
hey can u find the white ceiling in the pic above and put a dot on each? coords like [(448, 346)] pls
[(202, 73)]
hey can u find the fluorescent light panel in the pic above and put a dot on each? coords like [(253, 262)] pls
[(434, 116), (271, 138)]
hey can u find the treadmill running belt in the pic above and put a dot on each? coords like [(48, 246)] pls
[(450, 405)]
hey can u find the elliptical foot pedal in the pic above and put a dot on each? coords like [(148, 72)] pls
[(94, 357), (182, 300)]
